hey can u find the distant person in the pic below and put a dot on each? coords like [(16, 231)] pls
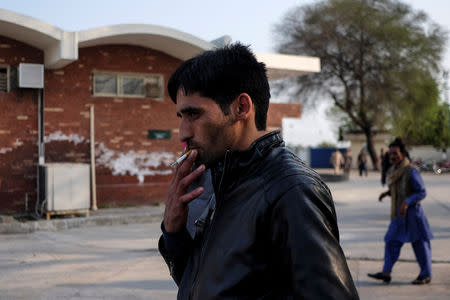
[(408, 221), (362, 163), (348, 159), (385, 165), (382, 153), (386, 162), (337, 159)]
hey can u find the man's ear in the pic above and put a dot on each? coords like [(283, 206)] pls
[(243, 106)]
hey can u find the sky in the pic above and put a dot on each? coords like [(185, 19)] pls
[(248, 21)]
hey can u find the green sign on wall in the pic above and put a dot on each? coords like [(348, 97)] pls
[(159, 134)]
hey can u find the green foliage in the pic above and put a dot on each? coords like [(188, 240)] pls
[(427, 126), (379, 58)]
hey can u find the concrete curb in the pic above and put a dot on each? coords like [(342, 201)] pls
[(16, 227)]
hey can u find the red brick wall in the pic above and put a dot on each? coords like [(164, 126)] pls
[(278, 111), (130, 168), (121, 124), (18, 132)]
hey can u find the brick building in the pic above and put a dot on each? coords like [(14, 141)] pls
[(121, 71)]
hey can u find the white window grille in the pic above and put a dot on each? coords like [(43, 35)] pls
[(110, 84)]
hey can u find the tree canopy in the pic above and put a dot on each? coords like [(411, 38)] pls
[(377, 58), (430, 126)]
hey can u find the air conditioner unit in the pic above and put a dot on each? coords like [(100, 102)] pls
[(65, 186), (31, 76)]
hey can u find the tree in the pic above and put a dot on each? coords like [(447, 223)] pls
[(425, 123), (429, 127), (373, 55)]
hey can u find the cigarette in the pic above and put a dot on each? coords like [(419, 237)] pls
[(180, 159)]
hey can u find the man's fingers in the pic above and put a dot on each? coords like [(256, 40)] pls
[(190, 178), (191, 195), (186, 166), (183, 169)]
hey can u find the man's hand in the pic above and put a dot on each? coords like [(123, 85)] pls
[(382, 195), (403, 209), (176, 211)]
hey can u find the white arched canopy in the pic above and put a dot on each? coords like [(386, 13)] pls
[(61, 47)]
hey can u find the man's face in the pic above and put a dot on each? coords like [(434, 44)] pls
[(204, 127), (395, 155)]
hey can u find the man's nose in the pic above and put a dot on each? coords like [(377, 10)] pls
[(186, 131)]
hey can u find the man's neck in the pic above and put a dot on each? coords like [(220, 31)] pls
[(399, 164), (246, 140)]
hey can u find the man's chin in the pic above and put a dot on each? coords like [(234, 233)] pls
[(198, 163), (208, 160), (207, 163)]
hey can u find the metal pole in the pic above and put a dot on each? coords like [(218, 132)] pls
[(41, 149), (93, 184), (40, 144)]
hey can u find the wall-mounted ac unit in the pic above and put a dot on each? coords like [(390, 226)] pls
[(31, 76), (65, 186)]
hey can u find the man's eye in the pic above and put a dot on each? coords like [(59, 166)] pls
[(192, 114)]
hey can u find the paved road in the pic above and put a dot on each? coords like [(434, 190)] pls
[(113, 262), (363, 222), (122, 262)]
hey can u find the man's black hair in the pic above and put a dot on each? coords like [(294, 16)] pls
[(399, 143), (222, 74)]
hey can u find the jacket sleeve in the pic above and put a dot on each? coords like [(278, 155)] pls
[(305, 237), (418, 187), (176, 249)]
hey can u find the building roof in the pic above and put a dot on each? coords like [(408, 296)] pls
[(282, 65), (60, 47)]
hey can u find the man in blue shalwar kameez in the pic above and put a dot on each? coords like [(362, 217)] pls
[(408, 221)]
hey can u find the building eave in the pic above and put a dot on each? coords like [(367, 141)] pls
[(61, 47), (282, 66), (173, 42)]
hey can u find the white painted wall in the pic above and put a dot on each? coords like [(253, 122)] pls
[(426, 153)]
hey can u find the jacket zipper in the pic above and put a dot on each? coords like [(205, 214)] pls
[(205, 242)]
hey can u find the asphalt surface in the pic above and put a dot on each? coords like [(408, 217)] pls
[(363, 221), (113, 253)]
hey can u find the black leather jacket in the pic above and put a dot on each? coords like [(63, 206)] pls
[(273, 233)]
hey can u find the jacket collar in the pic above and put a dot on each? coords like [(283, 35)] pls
[(241, 160), (257, 150)]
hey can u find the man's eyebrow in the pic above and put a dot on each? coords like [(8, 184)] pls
[(190, 110)]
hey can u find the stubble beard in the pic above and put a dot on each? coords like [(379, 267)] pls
[(219, 140)]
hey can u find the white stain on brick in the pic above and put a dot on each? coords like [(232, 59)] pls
[(18, 143), (5, 150), (136, 164), (59, 136)]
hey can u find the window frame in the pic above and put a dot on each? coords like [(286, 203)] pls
[(119, 79), (8, 78)]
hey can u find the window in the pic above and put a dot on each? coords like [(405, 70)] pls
[(4, 76), (109, 84), (105, 85)]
